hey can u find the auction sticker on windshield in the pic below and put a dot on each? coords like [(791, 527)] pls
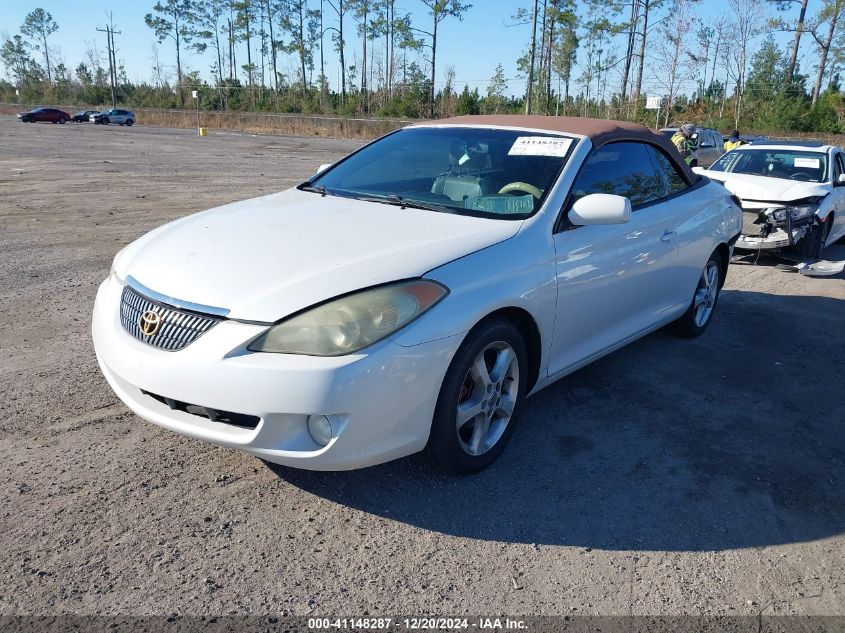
[(539, 146), (810, 163)]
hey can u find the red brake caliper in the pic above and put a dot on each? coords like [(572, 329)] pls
[(466, 389)]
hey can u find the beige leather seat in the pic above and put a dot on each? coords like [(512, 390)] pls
[(456, 187), (460, 186)]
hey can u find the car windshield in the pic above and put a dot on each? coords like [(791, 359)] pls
[(775, 163), (476, 171)]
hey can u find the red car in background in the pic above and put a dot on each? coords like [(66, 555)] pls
[(51, 115)]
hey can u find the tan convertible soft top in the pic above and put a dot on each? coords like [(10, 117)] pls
[(599, 131)]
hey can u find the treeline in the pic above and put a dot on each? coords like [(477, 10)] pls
[(597, 58)]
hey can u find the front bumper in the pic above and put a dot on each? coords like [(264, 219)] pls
[(778, 238), (381, 400)]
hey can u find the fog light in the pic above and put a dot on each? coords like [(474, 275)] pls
[(320, 428)]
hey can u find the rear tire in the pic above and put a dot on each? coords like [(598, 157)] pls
[(480, 399), (703, 305)]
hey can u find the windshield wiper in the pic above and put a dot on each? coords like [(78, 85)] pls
[(316, 189), (403, 203)]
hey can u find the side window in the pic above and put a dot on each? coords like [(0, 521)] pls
[(624, 169), (839, 167), (667, 172)]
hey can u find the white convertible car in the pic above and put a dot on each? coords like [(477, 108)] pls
[(792, 195), (412, 294)]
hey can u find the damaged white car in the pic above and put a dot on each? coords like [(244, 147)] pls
[(792, 195)]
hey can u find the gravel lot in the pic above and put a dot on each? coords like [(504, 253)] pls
[(672, 477)]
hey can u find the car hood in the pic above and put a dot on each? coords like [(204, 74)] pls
[(265, 258), (764, 188)]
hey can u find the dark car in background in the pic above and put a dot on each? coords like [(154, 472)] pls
[(84, 116), (122, 117), (48, 115)]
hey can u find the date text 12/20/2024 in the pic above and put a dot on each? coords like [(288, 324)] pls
[(418, 624)]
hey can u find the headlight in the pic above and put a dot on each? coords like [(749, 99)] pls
[(798, 213), (346, 325), (114, 265)]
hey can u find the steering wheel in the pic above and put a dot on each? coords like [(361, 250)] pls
[(806, 176), (522, 186)]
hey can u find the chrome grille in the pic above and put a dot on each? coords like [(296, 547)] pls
[(178, 329)]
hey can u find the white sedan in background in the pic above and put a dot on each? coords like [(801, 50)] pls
[(411, 295), (792, 195)]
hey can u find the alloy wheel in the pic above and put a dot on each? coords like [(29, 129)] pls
[(706, 293), (487, 398)]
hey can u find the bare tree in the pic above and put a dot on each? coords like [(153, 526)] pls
[(159, 77), (747, 24), (672, 70), (704, 34)]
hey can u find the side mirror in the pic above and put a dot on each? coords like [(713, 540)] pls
[(323, 167), (600, 208), (840, 181)]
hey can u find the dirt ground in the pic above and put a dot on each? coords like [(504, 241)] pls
[(673, 477)]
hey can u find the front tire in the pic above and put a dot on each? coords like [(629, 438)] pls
[(130, 122), (700, 312), (480, 399), (62, 120), (812, 246), (105, 121)]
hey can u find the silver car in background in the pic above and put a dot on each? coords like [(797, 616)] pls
[(707, 145), (121, 117)]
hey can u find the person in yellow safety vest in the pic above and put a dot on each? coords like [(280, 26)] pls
[(682, 139), (733, 141)]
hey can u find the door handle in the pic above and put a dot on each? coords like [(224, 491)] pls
[(667, 236)]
